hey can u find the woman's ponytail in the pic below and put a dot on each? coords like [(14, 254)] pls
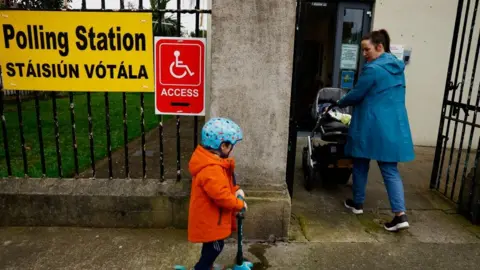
[(379, 37), (386, 39)]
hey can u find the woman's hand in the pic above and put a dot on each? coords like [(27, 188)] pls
[(333, 103)]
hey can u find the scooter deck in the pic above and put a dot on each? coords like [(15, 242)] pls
[(244, 266)]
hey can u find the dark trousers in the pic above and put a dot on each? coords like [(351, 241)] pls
[(210, 252)]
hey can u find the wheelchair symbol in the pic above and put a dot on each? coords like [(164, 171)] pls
[(179, 64)]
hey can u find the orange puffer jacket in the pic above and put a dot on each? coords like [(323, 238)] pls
[(213, 204)]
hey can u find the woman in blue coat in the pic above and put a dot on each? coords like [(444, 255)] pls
[(379, 127)]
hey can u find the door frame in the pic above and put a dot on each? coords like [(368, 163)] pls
[(292, 128), (297, 52), (367, 21)]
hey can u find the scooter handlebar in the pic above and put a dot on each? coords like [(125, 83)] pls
[(240, 214)]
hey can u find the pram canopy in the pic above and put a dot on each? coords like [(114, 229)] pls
[(323, 99), (324, 96)]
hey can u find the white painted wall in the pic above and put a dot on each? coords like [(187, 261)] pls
[(426, 26)]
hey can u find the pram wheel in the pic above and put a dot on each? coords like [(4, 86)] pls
[(304, 160), (343, 175), (310, 177), (338, 176)]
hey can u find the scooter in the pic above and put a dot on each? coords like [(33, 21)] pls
[(240, 263)]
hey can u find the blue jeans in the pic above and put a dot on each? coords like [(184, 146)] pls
[(391, 178)]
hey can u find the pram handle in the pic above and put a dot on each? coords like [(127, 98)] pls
[(322, 114), (331, 106), (317, 124)]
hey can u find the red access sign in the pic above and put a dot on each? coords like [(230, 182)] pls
[(180, 76)]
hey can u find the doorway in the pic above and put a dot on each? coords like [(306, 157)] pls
[(328, 41), (326, 54)]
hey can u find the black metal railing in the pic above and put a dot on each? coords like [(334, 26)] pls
[(39, 166), (450, 171)]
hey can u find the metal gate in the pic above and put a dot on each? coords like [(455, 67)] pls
[(98, 135), (455, 172)]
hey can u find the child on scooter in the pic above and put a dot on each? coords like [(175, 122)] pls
[(214, 198)]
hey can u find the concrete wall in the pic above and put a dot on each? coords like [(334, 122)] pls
[(252, 55), (426, 26), (133, 203)]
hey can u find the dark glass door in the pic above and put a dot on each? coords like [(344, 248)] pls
[(353, 22)]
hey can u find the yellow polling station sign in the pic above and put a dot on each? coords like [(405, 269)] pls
[(77, 51)]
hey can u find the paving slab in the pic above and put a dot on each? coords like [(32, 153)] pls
[(321, 216), (79, 248), (372, 256), (439, 227), (336, 227)]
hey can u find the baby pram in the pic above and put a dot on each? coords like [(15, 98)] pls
[(326, 161)]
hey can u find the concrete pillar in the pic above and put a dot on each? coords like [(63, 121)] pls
[(252, 57), (208, 58)]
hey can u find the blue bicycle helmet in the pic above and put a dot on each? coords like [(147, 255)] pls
[(219, 130)]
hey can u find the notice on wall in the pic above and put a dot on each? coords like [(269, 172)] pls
[(349, 56), (398, 51), (77, 51)]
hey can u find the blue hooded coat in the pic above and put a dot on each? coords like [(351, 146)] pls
[(379, 128)]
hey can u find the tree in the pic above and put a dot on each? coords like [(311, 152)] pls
[(202, 33), (40, 4), (163, 25), (131, 5)]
